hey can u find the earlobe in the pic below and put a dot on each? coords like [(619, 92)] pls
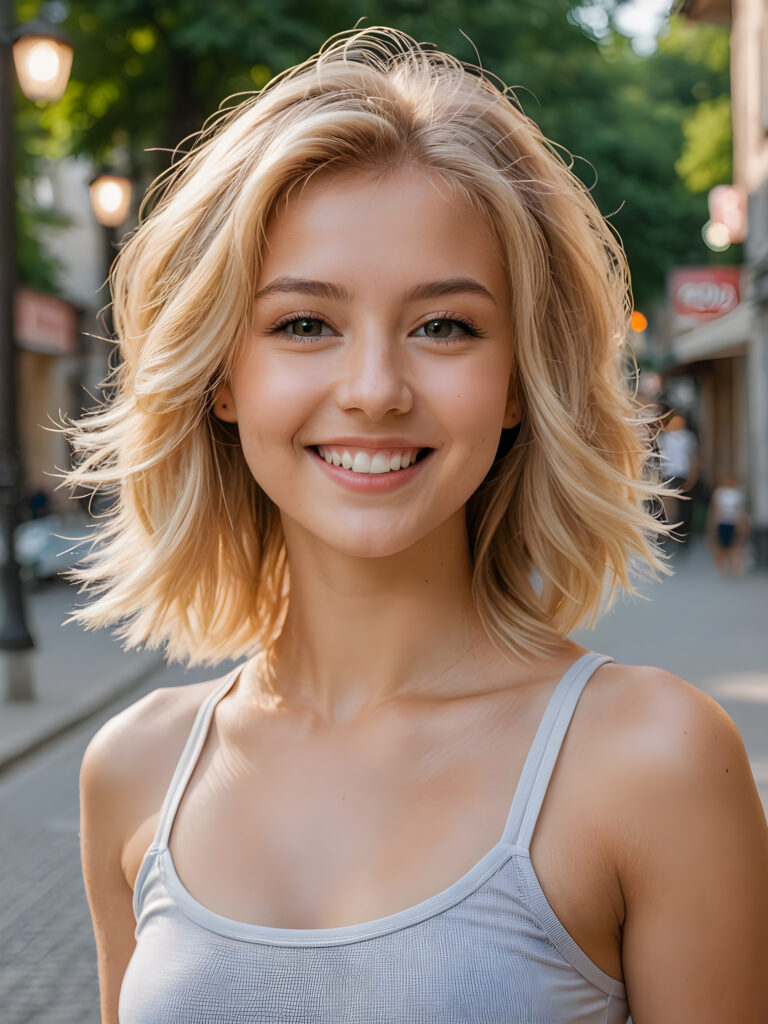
[(223, 405), (512, 415)]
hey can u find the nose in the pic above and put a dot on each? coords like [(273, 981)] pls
[(372, 377)]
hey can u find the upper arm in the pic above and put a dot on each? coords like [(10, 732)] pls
[(109, 895), (693, 865)]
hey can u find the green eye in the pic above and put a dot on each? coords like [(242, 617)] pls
[(442, 328), (306, 327)]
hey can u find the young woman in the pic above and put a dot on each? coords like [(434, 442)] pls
[(371, 432)]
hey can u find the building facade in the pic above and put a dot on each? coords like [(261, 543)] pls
[(729, 356)]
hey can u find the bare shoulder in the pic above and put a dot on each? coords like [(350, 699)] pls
[(689, 842), (145, 727), (662, 723), (675, 779), (664, 740), (135, 751)]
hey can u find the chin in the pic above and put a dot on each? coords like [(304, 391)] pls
[(371, 547)]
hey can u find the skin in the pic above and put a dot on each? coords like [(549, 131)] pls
[(385, 766)]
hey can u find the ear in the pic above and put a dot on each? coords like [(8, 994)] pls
[(224, 405), (512, 414)]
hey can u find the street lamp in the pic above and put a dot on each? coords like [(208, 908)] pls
[(43, 58), (110, 198), (43, 68)]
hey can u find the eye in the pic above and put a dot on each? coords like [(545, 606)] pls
[(443, 328), (301, 326)]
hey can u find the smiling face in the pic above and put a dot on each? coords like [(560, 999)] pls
[(381, 329)]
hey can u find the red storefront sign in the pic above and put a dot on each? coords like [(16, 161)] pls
[(700, 294)]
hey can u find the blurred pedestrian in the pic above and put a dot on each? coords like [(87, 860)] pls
[(728, 525), (371, 431), (678, 448)]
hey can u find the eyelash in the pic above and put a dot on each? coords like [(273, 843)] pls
[(455, 318)]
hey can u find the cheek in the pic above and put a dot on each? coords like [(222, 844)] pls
[(272, 397), (477, 407)]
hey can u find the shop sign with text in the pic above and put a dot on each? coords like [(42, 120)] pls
[(700, 294)]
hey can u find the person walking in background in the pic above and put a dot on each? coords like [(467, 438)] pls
[(728, 525), (678, 448)]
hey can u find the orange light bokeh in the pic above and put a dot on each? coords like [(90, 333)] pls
[(638, 323)]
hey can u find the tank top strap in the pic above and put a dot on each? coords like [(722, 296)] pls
[(189, 756), (541, 759)]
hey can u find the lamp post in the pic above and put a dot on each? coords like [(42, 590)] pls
[(43, 57), (111, 201)]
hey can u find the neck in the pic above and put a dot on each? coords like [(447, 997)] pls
[(361, 631)]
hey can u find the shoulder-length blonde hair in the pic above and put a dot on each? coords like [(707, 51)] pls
[(191, 552)]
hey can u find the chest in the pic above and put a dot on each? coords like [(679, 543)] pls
[(325, 834), (325, 831)]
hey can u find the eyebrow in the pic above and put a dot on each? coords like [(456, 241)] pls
[(338, 293)]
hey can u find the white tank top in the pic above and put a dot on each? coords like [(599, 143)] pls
[(487, 950)]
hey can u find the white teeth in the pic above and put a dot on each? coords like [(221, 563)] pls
[(364, 462), (361, 463)]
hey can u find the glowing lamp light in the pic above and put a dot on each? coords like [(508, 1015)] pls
[(639, 322), (716, 235), (110, 198), (43, 58)]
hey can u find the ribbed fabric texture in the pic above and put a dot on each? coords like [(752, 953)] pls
[(487, 950)]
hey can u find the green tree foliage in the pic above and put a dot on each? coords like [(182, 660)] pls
[(707, 147), (649, 134)]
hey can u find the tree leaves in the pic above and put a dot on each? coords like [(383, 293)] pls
[(650, 134)]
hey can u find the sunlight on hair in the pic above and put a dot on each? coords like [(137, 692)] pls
[(191, 555)]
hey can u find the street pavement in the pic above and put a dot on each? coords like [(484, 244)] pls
[(48, 969), (711, 631), (75, 673)]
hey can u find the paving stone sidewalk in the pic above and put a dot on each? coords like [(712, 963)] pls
[(76, 673)]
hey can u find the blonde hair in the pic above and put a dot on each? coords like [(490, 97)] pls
[(191, 552)]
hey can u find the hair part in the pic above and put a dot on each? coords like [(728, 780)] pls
[(191, 553)]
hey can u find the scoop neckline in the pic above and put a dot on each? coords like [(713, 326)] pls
[(470, 881), (473, 880)]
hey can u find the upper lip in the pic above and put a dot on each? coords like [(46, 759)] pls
[(369, 442)]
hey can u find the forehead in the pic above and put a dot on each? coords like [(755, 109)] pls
[(394, 223)]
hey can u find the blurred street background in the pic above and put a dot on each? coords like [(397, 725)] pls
[(664, 107)]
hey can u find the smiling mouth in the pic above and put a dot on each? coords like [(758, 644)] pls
[(367, 464)]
